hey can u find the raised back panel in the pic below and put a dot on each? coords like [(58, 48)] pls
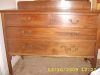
[(40, 5)]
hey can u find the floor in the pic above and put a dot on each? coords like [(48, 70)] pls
[(42, 66)]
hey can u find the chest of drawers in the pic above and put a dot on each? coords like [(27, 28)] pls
[(60, 34), (51, 34), (51, 28)]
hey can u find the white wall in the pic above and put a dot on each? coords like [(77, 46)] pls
[(0, 72), (3, 63), (98, 54)]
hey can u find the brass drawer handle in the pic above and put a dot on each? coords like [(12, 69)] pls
[(74, 22), (69, 33), (26, 46), (73, 48), (26, 32)]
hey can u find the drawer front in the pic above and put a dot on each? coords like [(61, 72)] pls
[(53, 33), (27, 20), (44, 47), (82, 21), (52, 20)]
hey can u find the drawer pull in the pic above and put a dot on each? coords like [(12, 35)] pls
[(26, 32), (70, 49), (26, 46), (69, 33), (73, 22)]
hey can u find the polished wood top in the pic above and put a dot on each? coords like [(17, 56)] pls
[(50, 11)]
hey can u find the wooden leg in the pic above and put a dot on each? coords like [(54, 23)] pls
[(85, 59), (9, 65), (22, 57), (93, 61)]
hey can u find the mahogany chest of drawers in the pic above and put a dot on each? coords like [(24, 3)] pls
[(51, 33), (65, 34)]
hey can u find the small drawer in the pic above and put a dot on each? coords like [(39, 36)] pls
[(53, 47), (70, 20), (34, 20), (53, 33)]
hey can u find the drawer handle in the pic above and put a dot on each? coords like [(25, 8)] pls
[(71, 49), (27, 46), (26, 32), (69, 33), (73, 22)]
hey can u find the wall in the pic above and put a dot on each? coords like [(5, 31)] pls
[(3, 63), (0, 72)]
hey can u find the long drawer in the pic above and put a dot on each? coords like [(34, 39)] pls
[(52, 20), (50, 33), (54, 47)]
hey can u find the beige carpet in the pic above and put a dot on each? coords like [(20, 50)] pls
[(40, 65)]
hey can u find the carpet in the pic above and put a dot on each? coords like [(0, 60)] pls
[(52, 66)]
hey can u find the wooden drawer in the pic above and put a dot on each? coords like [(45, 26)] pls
[(71, 20), (52, 20), (58, 47), (27, 20), (53, 33)]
